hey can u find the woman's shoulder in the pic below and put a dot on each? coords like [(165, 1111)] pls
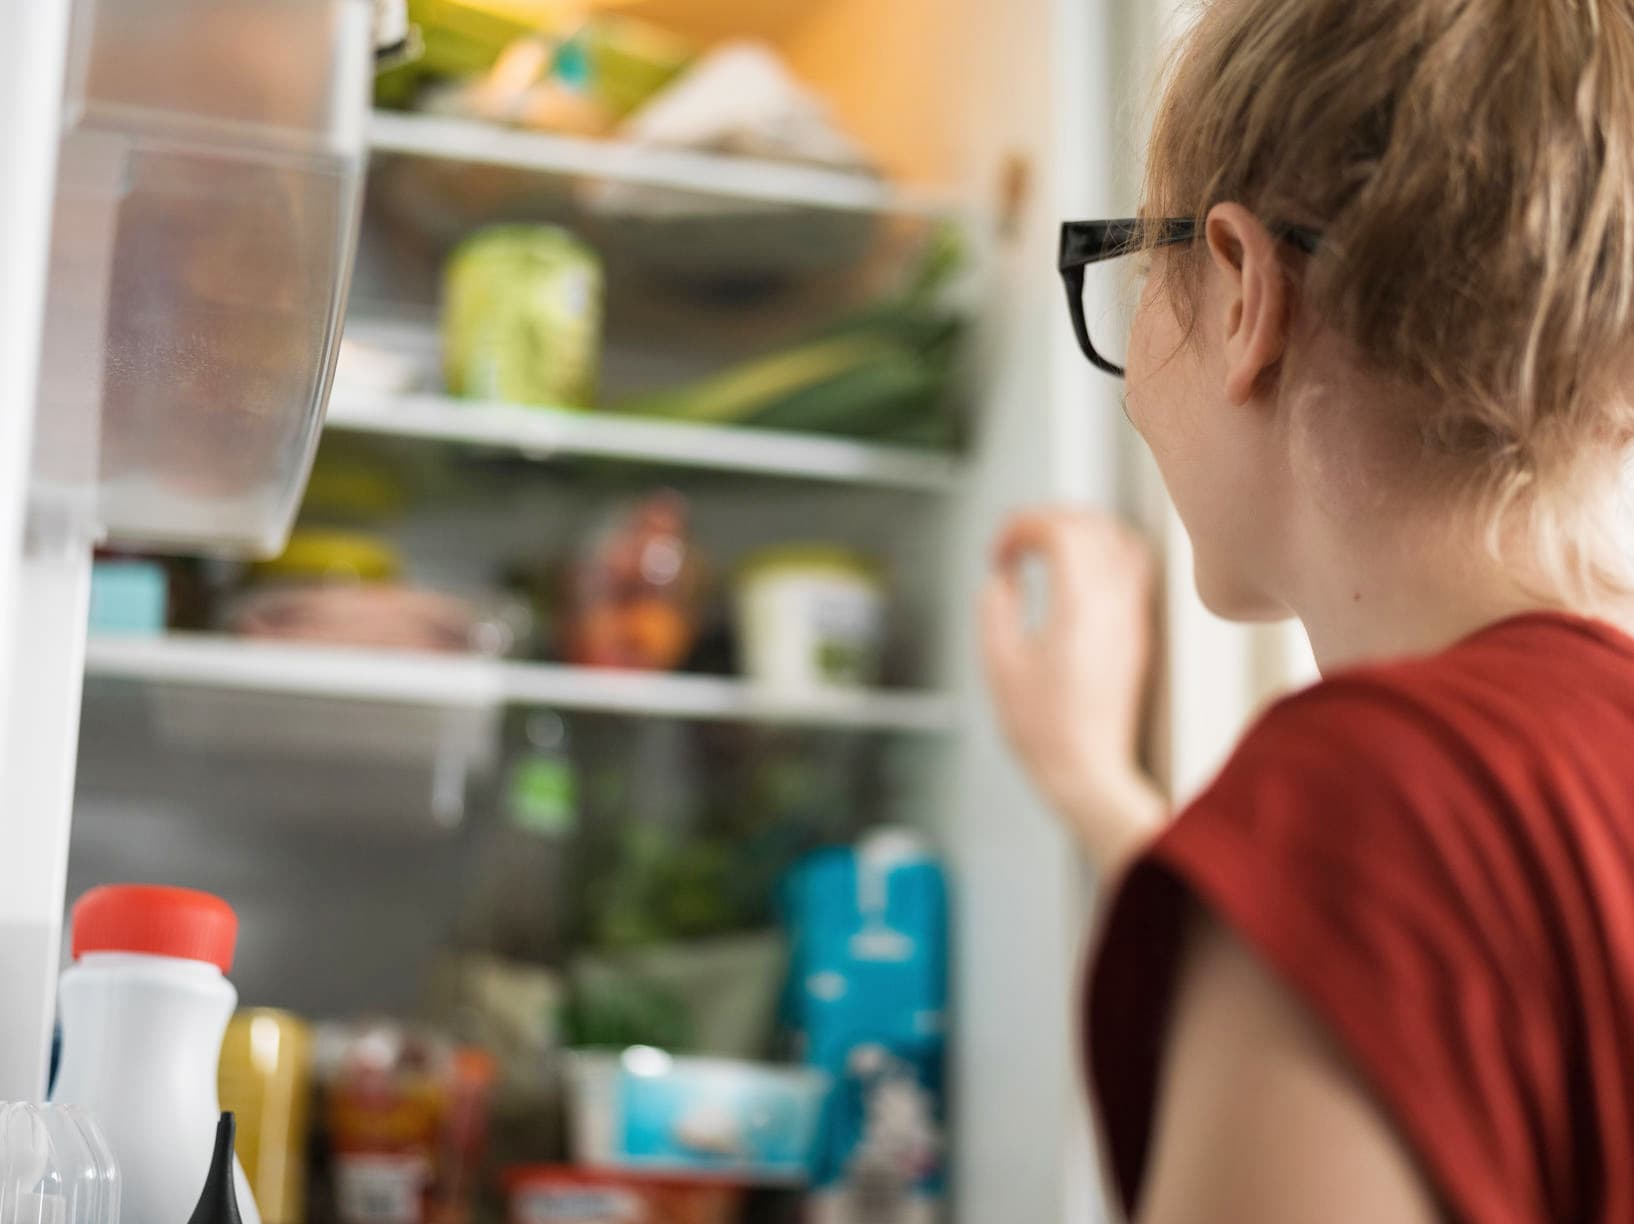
[(1516, 715), (1448, 801), (1419, 853)]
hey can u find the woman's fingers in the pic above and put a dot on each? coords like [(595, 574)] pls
[(1068, 686), (1087, 557), (1002, 625), (1057, 539)]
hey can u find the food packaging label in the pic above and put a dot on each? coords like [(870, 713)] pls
[(374, 1188)]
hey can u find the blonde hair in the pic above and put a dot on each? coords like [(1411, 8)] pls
[(1470, 165)]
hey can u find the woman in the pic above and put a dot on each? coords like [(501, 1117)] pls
[(1383, 969)]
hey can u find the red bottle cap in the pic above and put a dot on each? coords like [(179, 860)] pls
[(157, 920)]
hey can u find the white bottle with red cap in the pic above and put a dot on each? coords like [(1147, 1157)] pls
[(144, 1008)]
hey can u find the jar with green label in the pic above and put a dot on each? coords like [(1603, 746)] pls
[(522, 308)]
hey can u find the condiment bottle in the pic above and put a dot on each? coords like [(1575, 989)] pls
[(144, 1007)]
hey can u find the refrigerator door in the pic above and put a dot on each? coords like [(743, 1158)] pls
[(208, 181), (199, 163)]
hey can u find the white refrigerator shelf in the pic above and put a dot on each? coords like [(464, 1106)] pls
[(377, 677), (717, 174), (544, 433)]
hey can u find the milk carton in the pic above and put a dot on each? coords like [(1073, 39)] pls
[(867, 999)]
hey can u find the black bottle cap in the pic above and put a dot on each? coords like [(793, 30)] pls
[(218, 1204)]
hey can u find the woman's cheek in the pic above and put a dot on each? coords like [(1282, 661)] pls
[(1145, 377)]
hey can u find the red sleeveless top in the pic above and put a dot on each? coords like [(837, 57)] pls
[(1437, 857)]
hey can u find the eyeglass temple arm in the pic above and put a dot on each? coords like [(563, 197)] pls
[(1091, 242)]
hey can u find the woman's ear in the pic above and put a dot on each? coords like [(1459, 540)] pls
[(1255, 300)]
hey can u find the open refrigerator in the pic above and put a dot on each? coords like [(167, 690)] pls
[(172, 398)]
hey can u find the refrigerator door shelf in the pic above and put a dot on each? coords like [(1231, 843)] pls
[(206, 211)]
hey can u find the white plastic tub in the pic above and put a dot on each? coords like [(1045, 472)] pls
[(810, 617)]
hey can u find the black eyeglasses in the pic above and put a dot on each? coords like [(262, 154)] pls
[(1090, 266)]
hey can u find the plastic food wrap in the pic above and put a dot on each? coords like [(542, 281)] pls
[(385, 616), (343, 589)]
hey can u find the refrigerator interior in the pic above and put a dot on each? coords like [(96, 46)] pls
[(348, 806)]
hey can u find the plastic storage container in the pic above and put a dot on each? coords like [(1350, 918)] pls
[(810, 616), (55, 1167), (645, 1109), (144, 1008), (522, 317), (207, 198), (129, 596)]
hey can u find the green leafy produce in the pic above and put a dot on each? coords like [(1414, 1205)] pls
[(746, 391), (666, 887), (870, 398), (625, 1011), (884, 372)]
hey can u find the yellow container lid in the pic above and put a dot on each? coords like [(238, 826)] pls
[(315, 553), (834, 560)]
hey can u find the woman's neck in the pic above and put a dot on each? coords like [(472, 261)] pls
[(1385, 616), (1414, 587)]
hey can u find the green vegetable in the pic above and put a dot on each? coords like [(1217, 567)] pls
[(881, 373), (624, 1011), (867, 399), (744, 391)]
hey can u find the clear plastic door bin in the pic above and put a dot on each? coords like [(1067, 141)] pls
[(207, 198)]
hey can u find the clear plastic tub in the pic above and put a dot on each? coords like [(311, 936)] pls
[(642, 1108), (206, 214), (55, 1167)]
